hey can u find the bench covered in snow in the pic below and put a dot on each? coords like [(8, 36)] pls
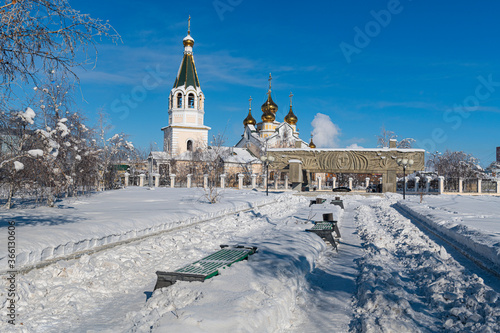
[(205, 268), (318, 201), (337, 202), (325, 230)]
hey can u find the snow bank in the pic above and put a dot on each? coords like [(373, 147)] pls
[(465, 226), (260, 295), (408, 283), (111, 217)]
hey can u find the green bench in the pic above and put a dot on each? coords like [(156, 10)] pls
[(337, 202), (205, 268), (318, 201), (326, 228)]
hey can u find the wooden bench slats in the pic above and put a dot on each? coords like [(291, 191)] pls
[(325, 230), (205, 268), (209, 266)]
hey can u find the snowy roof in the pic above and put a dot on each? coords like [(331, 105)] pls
[(159, 155), (402, 150), (240, 156)]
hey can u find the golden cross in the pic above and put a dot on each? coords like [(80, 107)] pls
[(291, 95), (189, 25), (250, 103), (270, 79)]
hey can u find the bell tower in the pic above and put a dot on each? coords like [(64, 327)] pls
[(186, 130)]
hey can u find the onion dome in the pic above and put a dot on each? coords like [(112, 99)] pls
[(269, 105), (188, 40), (249, 120), (291, 118), (311, 144), (267, 115)]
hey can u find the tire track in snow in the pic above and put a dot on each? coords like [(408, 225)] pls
[(408, 283)]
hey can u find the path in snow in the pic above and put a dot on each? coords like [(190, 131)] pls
[(105, 292), (408, 283), (332, 284)]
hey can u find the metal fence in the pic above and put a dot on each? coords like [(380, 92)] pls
[(488, 186), (451, 185)]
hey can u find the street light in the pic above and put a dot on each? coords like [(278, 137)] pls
[(404, 163), (267, 160)]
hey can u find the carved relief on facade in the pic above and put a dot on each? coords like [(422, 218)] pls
[(348, 160)]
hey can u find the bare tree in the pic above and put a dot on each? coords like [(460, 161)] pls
[(112, 150), (214, 166), (455, 164), (386, 136), (40, 36)]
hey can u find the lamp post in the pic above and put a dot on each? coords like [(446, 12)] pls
[(267, 160), (404, 163)]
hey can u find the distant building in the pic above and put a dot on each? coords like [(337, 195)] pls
[(186, 150), (270, 133), (498, 154)]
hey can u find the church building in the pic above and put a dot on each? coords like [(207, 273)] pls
[(186, 130), (270, 133), (185, 144)]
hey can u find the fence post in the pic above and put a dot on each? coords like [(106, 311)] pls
[(189, 180), (319, 183), (157, 179), (141, 179), (367, 181), (172, 180), (334, 182), (240, 181), (441, 184), (417, 180), (264, 181), (276, 181), (205, 181), (460, 185), (498, 185), (286, 182), (223, 180), (350, 183), (254, 180), (479, 184), (428, 184), (127, 175)]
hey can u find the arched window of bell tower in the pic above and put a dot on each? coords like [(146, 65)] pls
[(179, 100), (189, 145), (191, 101)]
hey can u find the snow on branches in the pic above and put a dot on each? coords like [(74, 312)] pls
[(455, 164)]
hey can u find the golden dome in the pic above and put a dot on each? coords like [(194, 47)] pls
[(291, 118), (311, 144), (269, 104), (268, 116), (188, 41), (249, 120)]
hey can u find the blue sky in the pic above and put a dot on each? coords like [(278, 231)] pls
[(423, 69)]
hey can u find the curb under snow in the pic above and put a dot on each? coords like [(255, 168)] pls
[(463, 238), (41, 257)]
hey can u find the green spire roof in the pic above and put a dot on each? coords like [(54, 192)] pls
[(187, 73)]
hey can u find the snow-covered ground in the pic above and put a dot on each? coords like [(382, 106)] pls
[(389, 274), (109, 217)]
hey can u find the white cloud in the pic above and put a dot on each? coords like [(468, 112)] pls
[(354, 146), (326, 133)]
